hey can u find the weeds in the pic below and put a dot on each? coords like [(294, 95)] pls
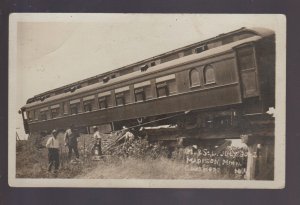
[(131, 160)]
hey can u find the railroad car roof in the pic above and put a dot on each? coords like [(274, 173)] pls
[(151, 70), (256, 30)]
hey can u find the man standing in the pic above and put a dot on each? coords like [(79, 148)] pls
[(71, 141), (53, 151), (97, 146)]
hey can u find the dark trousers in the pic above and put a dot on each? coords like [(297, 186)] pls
[(71, 149), (98, 148), (53, 157)]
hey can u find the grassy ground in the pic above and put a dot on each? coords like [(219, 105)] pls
[(130, 168), (32, 163)]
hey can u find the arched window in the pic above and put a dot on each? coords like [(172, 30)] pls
[(209, 74), (194, 77)]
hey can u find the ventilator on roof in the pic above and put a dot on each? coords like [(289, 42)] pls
[(144, 67), (201, 49), (105, 79)]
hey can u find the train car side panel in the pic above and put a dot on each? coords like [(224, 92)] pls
[(208, 98)]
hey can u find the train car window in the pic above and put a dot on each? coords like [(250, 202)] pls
[(194, 77), (120, 99), (74, 108), (142, 91), (162, 89), (54, 111), (122, 96), (106, 100), (102, 102), (30, 115), (44, 113), (246, 58), (209, 75), (88, 105), (166, 85), (139, 94)]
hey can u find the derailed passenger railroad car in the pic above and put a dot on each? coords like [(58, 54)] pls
[(223, 84)]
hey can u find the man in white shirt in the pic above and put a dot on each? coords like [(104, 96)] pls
[(129, 137), (70, 138), (53, 151), (97, 146), (96, 133)]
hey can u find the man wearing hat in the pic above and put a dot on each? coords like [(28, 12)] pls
[(70, 138), (53, 151), (96, 133), (96, 150)]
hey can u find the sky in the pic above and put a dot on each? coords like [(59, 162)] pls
[(55, 50)]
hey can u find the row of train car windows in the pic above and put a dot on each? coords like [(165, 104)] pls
[(165, 86), (122, 97)]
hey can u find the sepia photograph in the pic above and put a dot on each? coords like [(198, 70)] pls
[(147, 100)]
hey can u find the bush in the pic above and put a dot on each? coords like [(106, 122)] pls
[(138, 149)]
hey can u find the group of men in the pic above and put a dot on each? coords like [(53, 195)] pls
[(70, 141)]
